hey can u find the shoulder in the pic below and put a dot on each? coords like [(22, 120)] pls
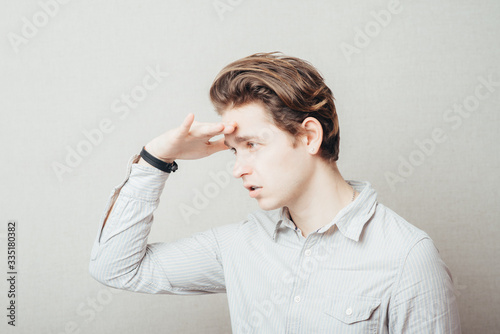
[(394, 229), (417, 253), (416, 257), (393, 238)]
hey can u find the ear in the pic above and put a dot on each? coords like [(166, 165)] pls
[(313, 134)]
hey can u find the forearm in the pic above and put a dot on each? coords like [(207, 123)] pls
[(121, 256), (120, 248)]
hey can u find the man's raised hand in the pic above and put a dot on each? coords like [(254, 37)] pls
[(191, 140)]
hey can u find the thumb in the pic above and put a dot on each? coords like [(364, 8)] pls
[(186, 123)]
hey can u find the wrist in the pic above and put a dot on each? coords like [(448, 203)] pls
[(149, 159), (151, 151), (144, 163)]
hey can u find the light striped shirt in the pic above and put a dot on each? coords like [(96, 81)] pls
[(367, 271)]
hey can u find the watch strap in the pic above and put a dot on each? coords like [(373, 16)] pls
[(166, 167)]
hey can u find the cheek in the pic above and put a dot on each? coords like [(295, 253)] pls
[(279, 168)]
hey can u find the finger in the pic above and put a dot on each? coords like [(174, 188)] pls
[(218, 145), (229, 128), (221, 128), (186, 124), (213, 129), (233, 123)]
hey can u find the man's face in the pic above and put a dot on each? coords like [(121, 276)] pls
[(265, 157)]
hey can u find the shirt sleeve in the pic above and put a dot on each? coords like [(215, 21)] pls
[(122, 258), (424, 299)]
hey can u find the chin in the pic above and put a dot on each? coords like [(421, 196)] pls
[(268, 206)]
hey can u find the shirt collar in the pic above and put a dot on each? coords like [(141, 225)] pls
[(350, 220)]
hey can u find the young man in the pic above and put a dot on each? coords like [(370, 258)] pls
[(321, 256)]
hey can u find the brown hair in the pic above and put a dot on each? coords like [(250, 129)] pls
[(290, 89)]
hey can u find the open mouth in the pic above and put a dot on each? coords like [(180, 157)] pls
[(255, 191)]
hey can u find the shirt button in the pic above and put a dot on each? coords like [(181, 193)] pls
[(308, 252), (297, 299), (348, 311)]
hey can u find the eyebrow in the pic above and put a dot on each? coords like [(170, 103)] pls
[(239, 139)]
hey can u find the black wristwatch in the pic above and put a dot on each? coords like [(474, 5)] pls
[(166, 167)]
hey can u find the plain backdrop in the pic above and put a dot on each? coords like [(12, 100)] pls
[(416, 117)]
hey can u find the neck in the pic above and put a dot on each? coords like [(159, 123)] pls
[(325, 195)]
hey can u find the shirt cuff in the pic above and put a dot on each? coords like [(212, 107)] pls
[(143, 182)]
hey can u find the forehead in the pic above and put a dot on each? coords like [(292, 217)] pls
[(252, 121), (247, 115)]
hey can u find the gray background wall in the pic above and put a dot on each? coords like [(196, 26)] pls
[(399, 85)]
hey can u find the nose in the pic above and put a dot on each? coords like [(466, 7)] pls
[(241, 167)]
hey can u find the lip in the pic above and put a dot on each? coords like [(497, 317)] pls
[(249, 186), (255, 193)]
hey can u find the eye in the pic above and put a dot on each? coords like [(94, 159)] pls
[(251, 144)]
